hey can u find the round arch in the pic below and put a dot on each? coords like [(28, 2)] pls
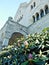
[(46, 9), (33, 18), (41, 12), (37, 16), (15, 36)]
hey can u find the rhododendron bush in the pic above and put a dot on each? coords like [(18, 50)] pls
[(32, 50)]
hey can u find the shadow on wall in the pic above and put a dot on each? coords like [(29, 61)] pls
[(14, 37)]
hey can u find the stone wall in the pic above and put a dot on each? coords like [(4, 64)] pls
[(30, 18), (9, 28), (39, 25)]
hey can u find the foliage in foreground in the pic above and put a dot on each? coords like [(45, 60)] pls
[(33, 50)]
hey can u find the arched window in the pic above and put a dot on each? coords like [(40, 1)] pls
[(33, 18), (41, 13), (34, 4), (46, 9), (37, 16), (31, 6)]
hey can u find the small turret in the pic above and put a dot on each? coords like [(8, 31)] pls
[(10, 18)]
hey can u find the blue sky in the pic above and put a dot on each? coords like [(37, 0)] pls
[(8, 8)]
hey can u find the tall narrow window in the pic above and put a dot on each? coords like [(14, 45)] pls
[(33, 19), (46, 9), (34, 4), (41, 13), (37, 16), (31, 6)]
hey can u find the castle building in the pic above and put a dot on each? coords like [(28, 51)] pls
[(30, 18)]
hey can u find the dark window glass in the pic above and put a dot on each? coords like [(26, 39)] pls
[(37, 16), (42, 13), (31, 6), (34, 4), (33, 18), (46, 9)]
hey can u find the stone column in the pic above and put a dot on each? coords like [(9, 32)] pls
[(5, 42), (39, 15), (44, 12), (35, 18)]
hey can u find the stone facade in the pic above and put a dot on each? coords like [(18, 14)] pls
[(30, 18)]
